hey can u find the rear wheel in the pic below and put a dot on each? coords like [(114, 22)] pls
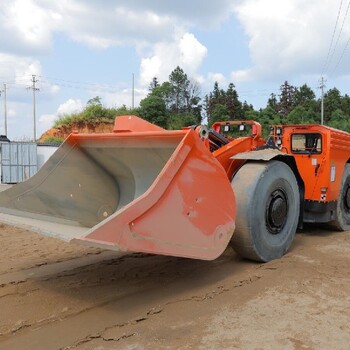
[(342, 215), (268, 204)]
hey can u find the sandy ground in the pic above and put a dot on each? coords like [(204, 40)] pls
[(54, 295)]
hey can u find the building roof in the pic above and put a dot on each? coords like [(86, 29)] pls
[(4, 138)]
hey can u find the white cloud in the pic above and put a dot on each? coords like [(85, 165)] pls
[(192, 50), (17, 72), (219, 77), (184, 51), (28, 24), (150, 67), (243, 75), (195, 12), (102, 25), (31, 24), (287, 37), (21, 68), (69, 107)]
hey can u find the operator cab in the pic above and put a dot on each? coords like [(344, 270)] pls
[(306, 143), (296, 139)]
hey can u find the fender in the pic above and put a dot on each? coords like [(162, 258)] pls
[(264, 154)]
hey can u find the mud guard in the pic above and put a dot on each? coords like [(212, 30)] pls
[(264, 155)]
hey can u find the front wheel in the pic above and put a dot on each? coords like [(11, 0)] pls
[(268, 204)]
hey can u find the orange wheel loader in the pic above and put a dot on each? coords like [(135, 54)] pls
[(189, 192)]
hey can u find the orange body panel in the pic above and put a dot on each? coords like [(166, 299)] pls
[(321, 172)]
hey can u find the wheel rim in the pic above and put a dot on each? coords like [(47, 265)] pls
[(276, 211)]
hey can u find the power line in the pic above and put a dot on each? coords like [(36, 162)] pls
[(331, 44), (341, 56), (340, 32), (81, 83)]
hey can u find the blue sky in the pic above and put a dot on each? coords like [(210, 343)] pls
[(79, 49)]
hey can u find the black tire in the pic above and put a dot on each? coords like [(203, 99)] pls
[(268, 205), (342, 213)]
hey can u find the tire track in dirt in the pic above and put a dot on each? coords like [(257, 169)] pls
[(47, 269), (118, 302), (130, 308)]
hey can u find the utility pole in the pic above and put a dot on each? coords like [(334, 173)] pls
[(322, 86), (5, 109), (34, 88), (133, 91)]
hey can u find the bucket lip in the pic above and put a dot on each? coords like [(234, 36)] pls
[(137, 137), (163, 133)]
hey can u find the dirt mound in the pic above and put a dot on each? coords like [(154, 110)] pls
[(63, 131)]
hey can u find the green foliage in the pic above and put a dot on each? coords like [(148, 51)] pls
[(287, 100), (53, 139), (340, 120), (93, 114), (179, 90), (179, 121), (303, 95), (225, 102), (66, 120), (176, 103), (95, 101), (219, 114), (153, 109), (297, 115)]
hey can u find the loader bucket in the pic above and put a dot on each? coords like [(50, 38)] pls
[(138, 189)]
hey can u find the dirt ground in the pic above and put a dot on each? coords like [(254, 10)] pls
[(54, 295)]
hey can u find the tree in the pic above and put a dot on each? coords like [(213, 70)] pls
[(296, 116), (193, 102), (332, 102), (303, 94), (95, 101), (287, 99), (272, 102), (218, 98), (154, 84), (153, 109), (180, 95), (219, 114), (246, 109), (178, 121), (345, 104), (179, 90), (233, 105)]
